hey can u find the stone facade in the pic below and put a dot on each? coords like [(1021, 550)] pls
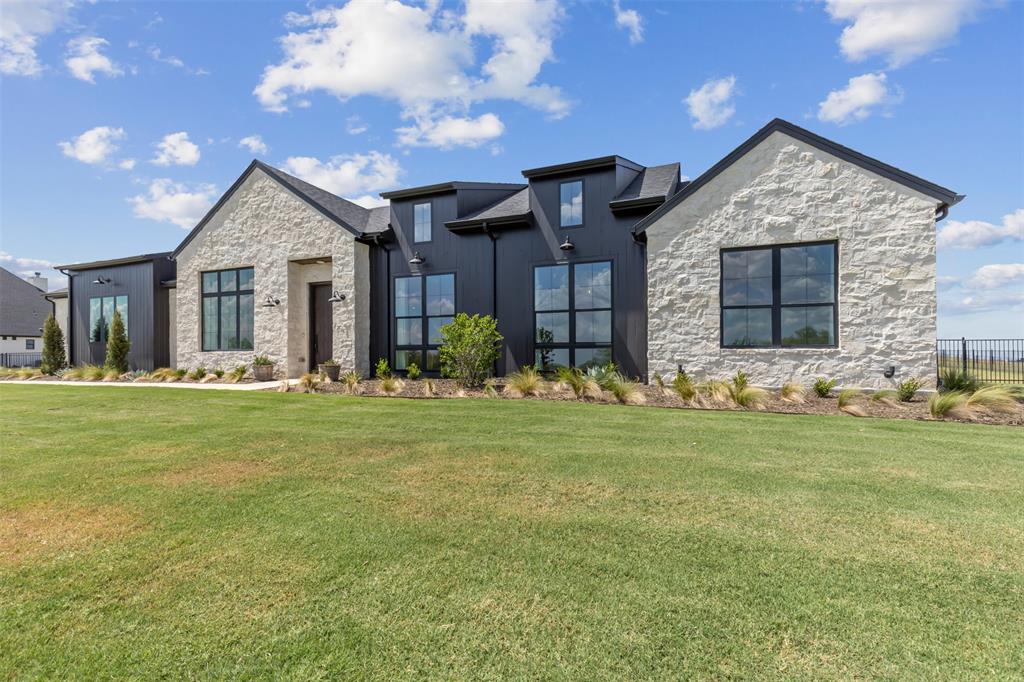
[(265, 226), (785, 191)]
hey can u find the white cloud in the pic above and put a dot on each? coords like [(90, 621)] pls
[(21, 26), (176, 149), (974, 234), (94, 146), (365, 48), (711, 104), (126, 164), (347, 174), (944, 282), (982, 302), (172, 202), (369, 201), (355, 126), (14, 261), (630, 20), (254, 143), (157, 55), (446, 132), (902, 30), (997, 275), (84, 59), (858, 99)]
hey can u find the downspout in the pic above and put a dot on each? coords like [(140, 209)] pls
[(387, 298), (941, 212)]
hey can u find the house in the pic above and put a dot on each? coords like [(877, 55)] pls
[(23, 310), (791, 257)]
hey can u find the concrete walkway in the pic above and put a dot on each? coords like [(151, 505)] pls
[(254, 386)]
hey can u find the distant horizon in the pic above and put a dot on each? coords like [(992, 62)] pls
[(127, 121)]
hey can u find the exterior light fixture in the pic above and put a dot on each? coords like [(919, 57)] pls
[(417, 259), (336, 297), (567, 245), (102, 280), (889, 372), (271, 302)]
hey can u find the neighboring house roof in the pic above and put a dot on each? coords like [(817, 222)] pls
[(22, 306), (653, 185), (57, 293), (514, 207), (946, 197), (350, 216), (128, 260), (579, 166), (410, 192)]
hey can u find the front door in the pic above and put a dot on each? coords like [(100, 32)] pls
[(321, 339)]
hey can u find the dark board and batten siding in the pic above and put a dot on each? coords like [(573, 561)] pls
[(495, 277)]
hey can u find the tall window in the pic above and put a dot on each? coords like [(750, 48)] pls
[(572, 315), (571, 203), (423, 304), (101, 312), (228, 309), (421, 228), (779, 296)]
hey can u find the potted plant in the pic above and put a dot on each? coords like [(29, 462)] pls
[(262, 368), (330, 368)]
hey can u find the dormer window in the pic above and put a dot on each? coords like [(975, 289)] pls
[(571, 204), (421, 223)]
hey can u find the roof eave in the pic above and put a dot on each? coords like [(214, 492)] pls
[(580, 166), (113, 262), (503, 221), (638, 202)]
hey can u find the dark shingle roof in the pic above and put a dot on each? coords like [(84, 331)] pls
[(22, 307), (514, 205), (378, 221), (653, 182)]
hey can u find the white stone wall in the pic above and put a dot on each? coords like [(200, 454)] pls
[(786, 191), (60, 313), (265, 226)]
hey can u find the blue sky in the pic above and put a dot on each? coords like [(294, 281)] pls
[(120, 123)]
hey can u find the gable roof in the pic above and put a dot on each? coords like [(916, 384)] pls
[(350, 216), (941, 194), (652, 185), (22, 306)]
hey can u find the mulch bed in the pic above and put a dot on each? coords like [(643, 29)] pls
[(657, 397)]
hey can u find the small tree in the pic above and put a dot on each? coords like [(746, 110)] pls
[(469, 347), (53, 346), (117, 345)]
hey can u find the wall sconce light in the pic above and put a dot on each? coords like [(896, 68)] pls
[(102, 280), (271, 302), (567, 245), (417, 259), (889, 372), (336, 297)]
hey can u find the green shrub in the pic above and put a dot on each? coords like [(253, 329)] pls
[(740, 381), (603, 374), (951, 403), (262, 361), (181, 372), (823, 387), (219, 373), (793, 392), (625, 390), (197, 374), (383, 369), (53, 347), (237, 374), (330, 362), (527, 381), (954, 379), (351, 381), (659, 381), (683, 385), (412, 371), (469, 348), (846, 404), (391, 385), (908, 388), (117, 345)]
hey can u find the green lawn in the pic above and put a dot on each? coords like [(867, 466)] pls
[(170, 533)]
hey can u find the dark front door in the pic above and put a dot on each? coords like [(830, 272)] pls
[(320, 324)]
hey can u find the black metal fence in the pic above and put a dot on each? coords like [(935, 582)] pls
[(988, 360), (20, 359)]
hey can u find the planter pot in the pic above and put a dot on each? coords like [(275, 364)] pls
[(263, 372), (332, 372)]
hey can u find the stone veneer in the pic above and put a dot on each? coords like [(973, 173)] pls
[(265, 226), (785, 191)]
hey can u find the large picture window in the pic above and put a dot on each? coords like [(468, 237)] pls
[(423, 304), (572, 315), (101, 312), (228, 309), (570, 203), (421, 223), (779, 296)]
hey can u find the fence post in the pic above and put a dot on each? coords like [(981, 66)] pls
[(963, 353)]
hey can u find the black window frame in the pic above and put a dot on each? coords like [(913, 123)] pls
[(424, 346), (30, 344), (219, 295), (429, 205), (583, 204), (105, 329), (572, 344), (776, 306)]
